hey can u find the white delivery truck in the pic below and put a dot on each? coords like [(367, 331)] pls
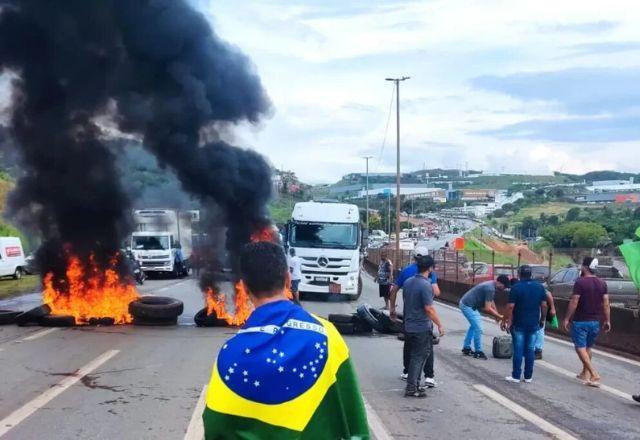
[(12, 261), (163, 237), (326, 237)]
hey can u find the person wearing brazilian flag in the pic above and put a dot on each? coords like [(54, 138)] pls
[(287, 373)]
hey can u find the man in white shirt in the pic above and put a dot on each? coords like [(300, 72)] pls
[(295, 268)]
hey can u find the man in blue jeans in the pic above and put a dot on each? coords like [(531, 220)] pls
[(525, 315), (480, 298)]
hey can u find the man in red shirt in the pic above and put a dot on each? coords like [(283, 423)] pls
[(589, 306)]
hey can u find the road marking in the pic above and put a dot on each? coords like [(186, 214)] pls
[(38, 335), (375, 423), (572, 375), (562, 341), (195, 430), (13, 419), (525, 413)]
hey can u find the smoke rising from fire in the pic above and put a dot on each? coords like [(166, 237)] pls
[(156, 70)]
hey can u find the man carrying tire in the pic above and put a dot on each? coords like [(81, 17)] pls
[(404, 275), (286, 373), (419, 317)]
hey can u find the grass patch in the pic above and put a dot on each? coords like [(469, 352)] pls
[(27, 284), (553, 208)]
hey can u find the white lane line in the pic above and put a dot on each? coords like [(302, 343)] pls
[(13, 419), (547, 427), (572, 375), (39, 334), (561, 341), (375, 423), (195, 430)]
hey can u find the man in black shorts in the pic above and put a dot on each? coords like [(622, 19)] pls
[(385, 278)]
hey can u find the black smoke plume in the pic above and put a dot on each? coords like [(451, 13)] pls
[(152, 68)]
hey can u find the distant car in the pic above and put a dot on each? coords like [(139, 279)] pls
[(620, 290)]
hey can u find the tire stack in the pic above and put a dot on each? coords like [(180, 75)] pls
[(351, 324), (203, 320), (364, 321), (155, 310)]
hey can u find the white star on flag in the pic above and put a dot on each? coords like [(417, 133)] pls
[(274, 351), (245, 373), (224, 347), (317, 345), (227, 377), (268, 360), (246, 380), (256, 384), (246, 350), (294, 370), (281, 354), (301, 375), (313, 368), (231, 370), (280, 369)]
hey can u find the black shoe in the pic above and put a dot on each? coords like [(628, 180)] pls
[(636, 398), (467, 352), (480, 355), (415, 393), (538, 354)]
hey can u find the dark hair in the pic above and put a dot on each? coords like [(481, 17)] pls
[(525, 272), (586, 262), (503, 279), (263, 268), (424, 262), (292, 252)]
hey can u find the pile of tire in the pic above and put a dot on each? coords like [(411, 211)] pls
[(155, 310), (379, 320), (351, 324), (202, 319), (40, 315)]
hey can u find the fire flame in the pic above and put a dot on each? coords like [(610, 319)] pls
[(267, 233), (217, 303), (100, 295)]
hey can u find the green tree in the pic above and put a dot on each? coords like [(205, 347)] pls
[(573, 214), (589, 235)]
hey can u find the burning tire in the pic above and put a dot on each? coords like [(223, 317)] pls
[(57, 321), (203, 320), (155, 308), (8, 316), (33, 316)]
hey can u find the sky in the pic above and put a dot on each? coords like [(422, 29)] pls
[(510, 86)]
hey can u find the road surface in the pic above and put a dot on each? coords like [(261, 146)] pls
[(130, 382)]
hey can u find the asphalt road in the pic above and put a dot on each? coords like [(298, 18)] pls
[(145, 382)]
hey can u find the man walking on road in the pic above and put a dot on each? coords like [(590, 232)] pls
[(384, 278), (480, 298), (525, 315), (589, 304), (404, 275), (295, 268), (286, 374), (419, 317)]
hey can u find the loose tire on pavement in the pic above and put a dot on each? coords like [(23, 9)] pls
[(33, 316), (362, 326), (388, 324), (365, 314), (203, 320), (335, 317), (345, 328), (8, 316), (156, 308), (57, 321)]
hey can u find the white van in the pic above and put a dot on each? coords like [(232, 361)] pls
[(11, 257)]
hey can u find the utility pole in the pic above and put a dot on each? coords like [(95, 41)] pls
[(367, 190), (389, 215), (396, 81)]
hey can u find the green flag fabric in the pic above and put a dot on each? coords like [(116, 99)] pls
[(631, 254), (286, 375)]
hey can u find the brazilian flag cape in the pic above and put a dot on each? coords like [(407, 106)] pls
[(285, 375)]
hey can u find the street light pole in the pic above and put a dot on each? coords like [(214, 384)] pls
[(367, 189), (396, 81)]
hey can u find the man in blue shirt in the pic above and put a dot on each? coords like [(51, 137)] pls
[(406, 273), (525, 314)]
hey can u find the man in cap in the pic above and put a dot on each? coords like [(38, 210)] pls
[(406, 273), (525, 315), (588, 306), (480, 298)]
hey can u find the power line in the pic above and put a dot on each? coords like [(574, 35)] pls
[(386, 130)]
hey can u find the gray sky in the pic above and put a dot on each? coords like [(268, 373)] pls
[(503, 85)]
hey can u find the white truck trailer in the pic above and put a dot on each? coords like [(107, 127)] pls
[(327, 238), (161, 238)]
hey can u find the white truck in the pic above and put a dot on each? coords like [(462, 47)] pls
[(327, 238), (12, 262), (163, 237)]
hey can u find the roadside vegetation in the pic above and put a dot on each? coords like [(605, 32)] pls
[(27, 284)]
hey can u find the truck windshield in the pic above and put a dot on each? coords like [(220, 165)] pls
[(324, 235), (155, 243)]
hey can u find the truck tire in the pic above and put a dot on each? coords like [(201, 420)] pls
[(203, 320), (32, 316), (18, 273), (389, 325), (8, 316), (335, 317), (57, 321), (156, 308), (345, 328), (365, 314)]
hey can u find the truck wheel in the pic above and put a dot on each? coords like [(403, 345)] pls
[(203, 320), (57, 321), (8, 316), (365, 314), (17, 274), (154, 308), (33, 315)]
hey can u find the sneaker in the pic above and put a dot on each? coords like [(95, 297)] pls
[(636, 398), (430, 382), (404, 376), (538, 354), (512, 379), (415, 393), (480, 355), (528, 380), (467, 352)]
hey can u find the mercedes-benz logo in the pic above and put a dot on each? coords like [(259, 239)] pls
[(323, 262)]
